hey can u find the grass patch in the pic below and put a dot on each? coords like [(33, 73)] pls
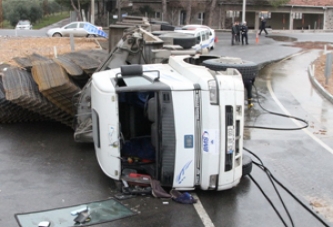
[(45, 21), (51, 19), (6, 24)]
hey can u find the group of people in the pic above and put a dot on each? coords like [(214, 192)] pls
[(239, 31)]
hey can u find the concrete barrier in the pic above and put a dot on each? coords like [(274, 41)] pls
[(317, 85)]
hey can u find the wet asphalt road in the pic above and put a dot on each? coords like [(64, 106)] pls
[(41, 167)]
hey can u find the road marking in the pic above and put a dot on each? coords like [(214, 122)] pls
[(202, 212), (269, 86)]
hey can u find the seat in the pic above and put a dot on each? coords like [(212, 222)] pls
[(151, 112)]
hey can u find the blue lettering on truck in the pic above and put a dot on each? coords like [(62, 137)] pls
[(205, 141), (181, 176)]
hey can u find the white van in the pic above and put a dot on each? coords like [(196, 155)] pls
[(203, 38), (212, 35), (180, 123)]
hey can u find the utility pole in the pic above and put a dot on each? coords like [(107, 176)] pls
[(1, 16), (119, 9), (92, 13), (243, 12)]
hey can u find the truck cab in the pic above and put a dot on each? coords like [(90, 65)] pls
[(179, 122)]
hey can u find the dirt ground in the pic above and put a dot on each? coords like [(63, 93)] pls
[(23, 47)]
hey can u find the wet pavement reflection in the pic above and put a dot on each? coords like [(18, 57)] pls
[(298, 157), (282, 38)]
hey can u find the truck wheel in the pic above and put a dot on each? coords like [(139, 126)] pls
[(204, 57), (247, 165), (249, 70), (184, 40)]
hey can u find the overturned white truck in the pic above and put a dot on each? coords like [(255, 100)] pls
[(171, 118)]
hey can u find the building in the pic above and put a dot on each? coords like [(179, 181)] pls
[(294, 15)]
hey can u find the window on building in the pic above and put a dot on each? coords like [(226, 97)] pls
[(157, 14), (201, 16)]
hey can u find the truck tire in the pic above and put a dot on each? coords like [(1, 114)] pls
[(184, 40), (200, 58), (167, 27), (249, 70), (247, 165)]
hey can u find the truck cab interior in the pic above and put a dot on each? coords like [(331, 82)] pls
[(146, 122)]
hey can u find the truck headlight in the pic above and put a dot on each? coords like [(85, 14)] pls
[(213, 92), (212, 181)]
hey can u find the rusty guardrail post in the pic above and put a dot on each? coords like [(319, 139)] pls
[(328, 66)]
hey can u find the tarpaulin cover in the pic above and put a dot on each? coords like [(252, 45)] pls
[(91, 29)]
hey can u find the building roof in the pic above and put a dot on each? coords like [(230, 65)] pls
[(291, 2), (311, 2)]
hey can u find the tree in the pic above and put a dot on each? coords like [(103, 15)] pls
[(54, 7), (188, 12), (36, 13), (76, 5), (211, 12), (45, 7), (174, 7), (147, 10), (164, 10), (77, 9), (15, 12)]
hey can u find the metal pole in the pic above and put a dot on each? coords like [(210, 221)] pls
[(119, 9), (243, 13), (92, 13), (1, 16)]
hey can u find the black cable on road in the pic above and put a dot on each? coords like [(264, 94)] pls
[(278, 114), (268, 199), (274, 186), (270, 175)]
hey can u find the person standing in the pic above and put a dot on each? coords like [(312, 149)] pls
[(263, 26), (233, 33), (238, 30), (248, 83), (244, 30)]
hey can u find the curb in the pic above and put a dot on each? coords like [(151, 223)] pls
[(318, 86)]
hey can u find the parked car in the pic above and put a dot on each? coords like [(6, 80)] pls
[(24, 25), (78, 29), (212, 36)]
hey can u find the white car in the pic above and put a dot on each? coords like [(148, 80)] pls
[(212, 36), (78, 29), (24, 25)]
